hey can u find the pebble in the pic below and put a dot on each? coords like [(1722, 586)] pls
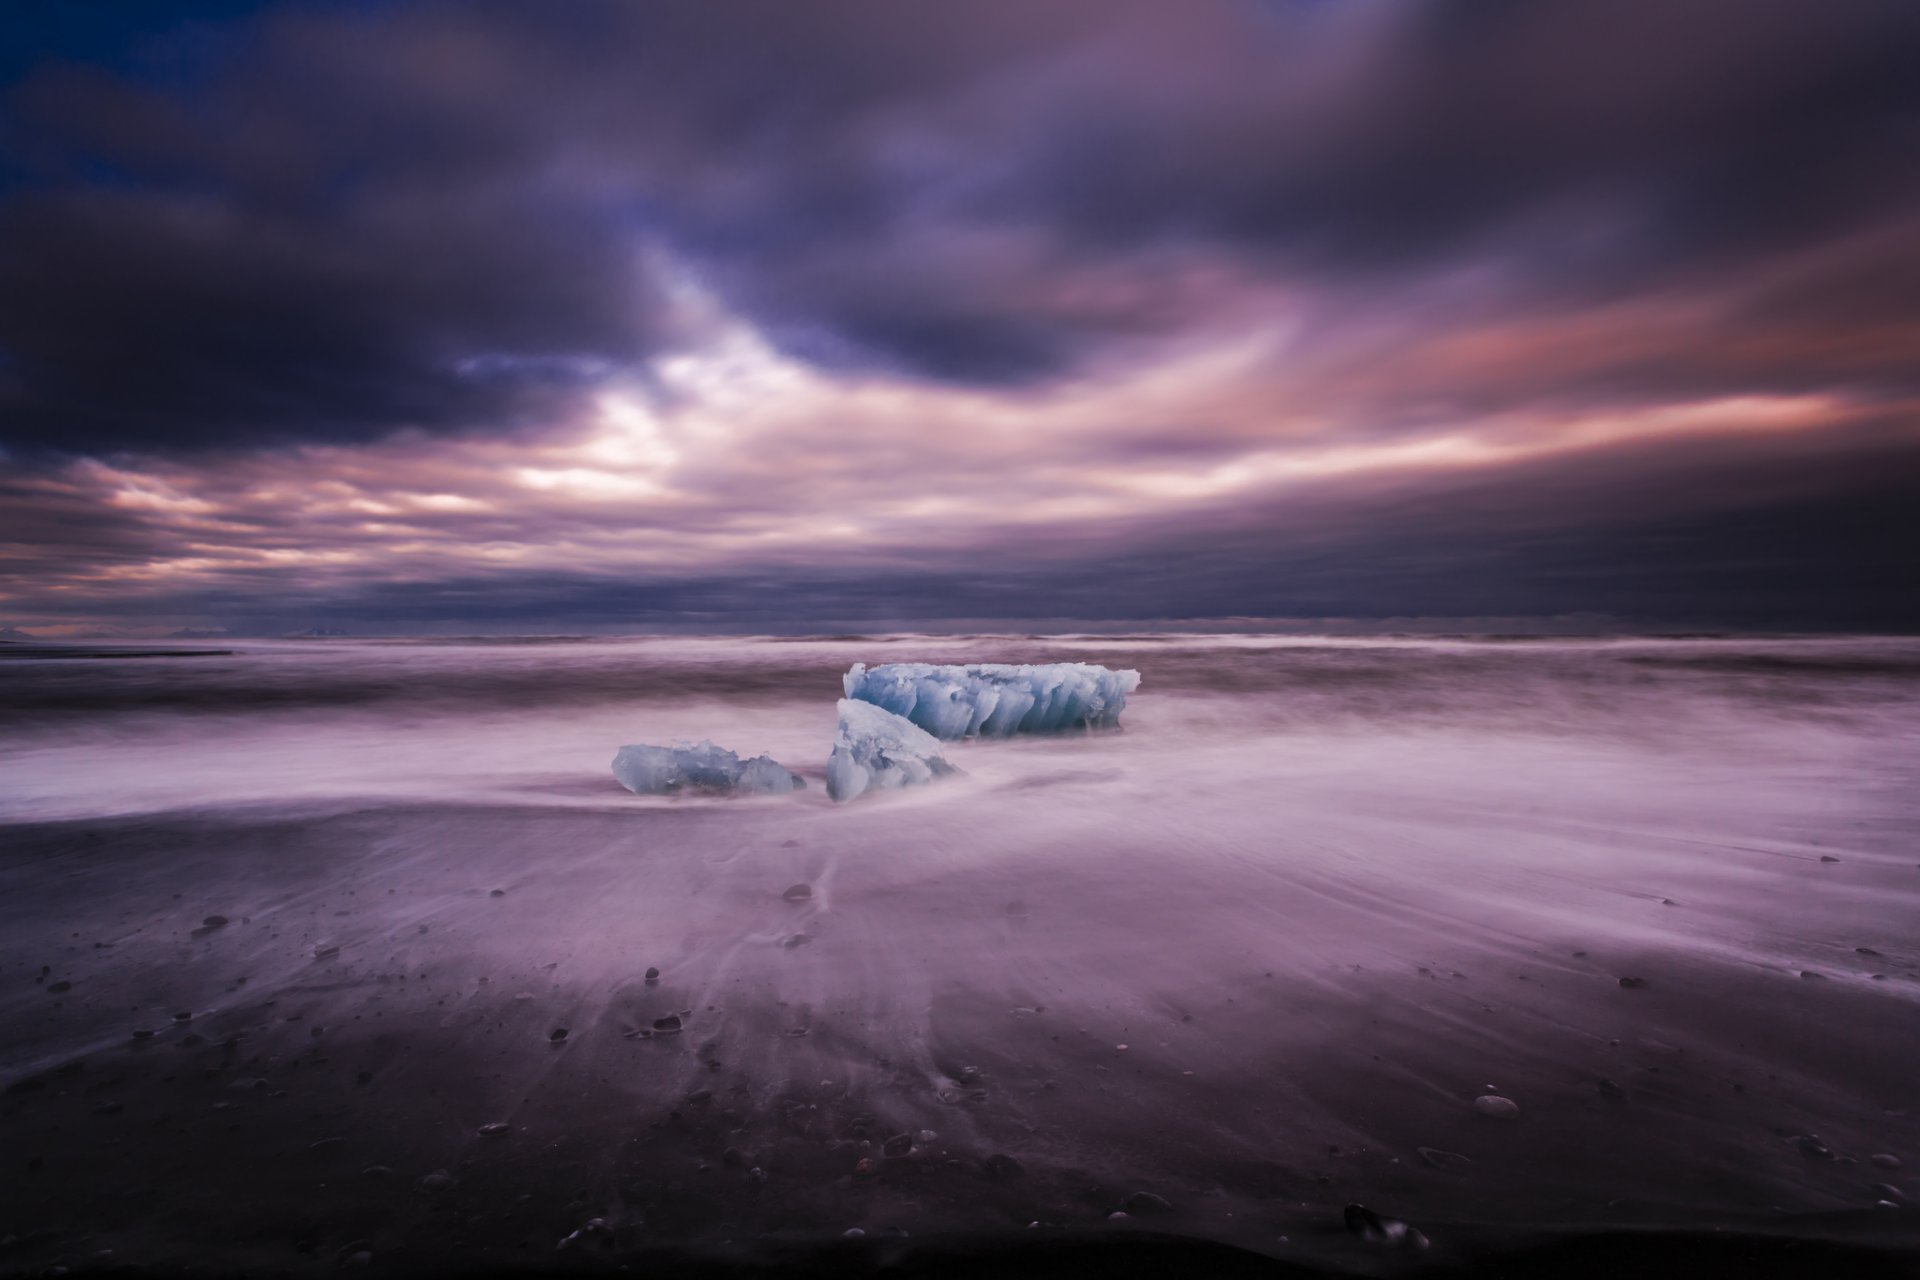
[(143, 1035), (669, 1023), (757, 1175), (1003, 1167), (653, 975), (557, 1035), (214, 922), (498, 893), (852, 1233), (1811, 976), (1499, 1108), (594, 1229), (1118, 1216), (898, 1145), (438, 1180), (865, 1167), (494, 1129), (700, 1095), (58, 988), (796, 940), (325, 953), (798, 893), (1827, 857), (1376, 1230), (1438, 1159), (1633, 984), (1887, 1191), (1885, 1160), (1810, 1146)]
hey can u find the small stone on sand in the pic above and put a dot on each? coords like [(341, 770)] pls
[(1496, 1107)]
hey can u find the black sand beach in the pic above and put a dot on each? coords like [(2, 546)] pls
[(269, 1002)]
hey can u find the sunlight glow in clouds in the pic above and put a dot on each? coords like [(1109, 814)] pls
[(744, 457)]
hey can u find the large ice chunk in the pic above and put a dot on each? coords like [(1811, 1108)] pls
[(875, 748), (665, 771), (995, 699)]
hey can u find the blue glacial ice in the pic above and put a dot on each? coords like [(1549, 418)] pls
[(995, 699), (873, 748), (665, 771)]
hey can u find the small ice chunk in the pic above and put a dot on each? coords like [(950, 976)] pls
[(875, 748), (995, 699), (665, 771)]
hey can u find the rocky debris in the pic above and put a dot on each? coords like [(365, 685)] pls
[(1144, 1203), (1382, 1232), (594, 1231), (1497, 1107), (798, 893), (1810, 1146), (1435, 1158), (1002, 1167)]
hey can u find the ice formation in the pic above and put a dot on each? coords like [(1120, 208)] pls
[(875, 748), (995, 699), (665, 771)]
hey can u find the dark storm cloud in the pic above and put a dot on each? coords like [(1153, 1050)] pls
[(453, 217)]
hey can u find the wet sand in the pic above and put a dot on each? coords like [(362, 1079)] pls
[(1095, 976)]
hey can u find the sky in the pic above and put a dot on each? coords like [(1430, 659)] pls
[(753, 315)]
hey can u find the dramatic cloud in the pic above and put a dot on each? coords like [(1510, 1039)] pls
[(495, 310)]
